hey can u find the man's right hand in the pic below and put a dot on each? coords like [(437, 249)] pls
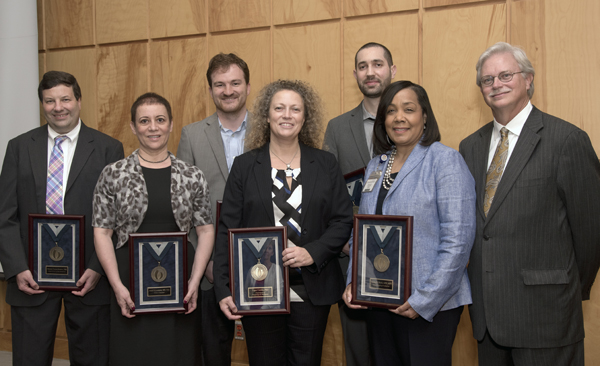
[(27, 284)]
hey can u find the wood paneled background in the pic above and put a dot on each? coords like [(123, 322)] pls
[(119, 49)]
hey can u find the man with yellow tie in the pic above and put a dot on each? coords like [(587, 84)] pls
[(537, 247)]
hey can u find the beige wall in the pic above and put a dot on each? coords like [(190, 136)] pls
[(119, 49)]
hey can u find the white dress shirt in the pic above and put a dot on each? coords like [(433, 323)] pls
[(514, 128)]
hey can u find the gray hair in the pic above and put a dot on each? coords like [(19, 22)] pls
[(519, 55)]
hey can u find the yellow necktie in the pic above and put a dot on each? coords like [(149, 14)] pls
[(495, 171)]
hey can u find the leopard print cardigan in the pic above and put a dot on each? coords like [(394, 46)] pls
[(121, 198)]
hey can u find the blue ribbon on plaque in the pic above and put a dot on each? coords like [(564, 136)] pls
[(158, 251), (382, 234), (57, 254)]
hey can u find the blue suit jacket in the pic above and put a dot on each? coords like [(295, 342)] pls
[(437, 189)]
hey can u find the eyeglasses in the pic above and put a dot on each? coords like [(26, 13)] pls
[(504, 77)]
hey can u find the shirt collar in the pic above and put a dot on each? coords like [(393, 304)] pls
[(366, 114), (516, 124), (72, 135), (241, 128)]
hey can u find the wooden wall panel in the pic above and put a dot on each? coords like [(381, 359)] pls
[(311, 53), (333, 343), (122, 77), (254, 48), (238, 14), (290, 11), (453, 39), (40, 24), (564, 52), (366, 7), (177, 17), (121, 20), (76, 62), (433, 3), (69, 23), (591, 317), (398, 32), (464, 350), (177, 69)]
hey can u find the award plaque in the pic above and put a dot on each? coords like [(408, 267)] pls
[(258, 281), (158, 272), (354, 183), (56, 250), (381, 260)]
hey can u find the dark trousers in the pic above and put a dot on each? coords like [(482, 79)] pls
[(400, 341), (292, 339), (34, 331), (217, 332), (492, 354)]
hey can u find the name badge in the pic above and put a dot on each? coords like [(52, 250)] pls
[(373, 178)]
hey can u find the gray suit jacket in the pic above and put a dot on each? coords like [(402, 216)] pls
[(536, 255), (345, 138), (201, 145), (23, 187)]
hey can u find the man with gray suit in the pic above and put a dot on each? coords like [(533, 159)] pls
[(53, 169), (349, 138), (212, 144), (537, 246)]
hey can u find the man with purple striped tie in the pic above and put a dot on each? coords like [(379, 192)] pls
[(53, 169)]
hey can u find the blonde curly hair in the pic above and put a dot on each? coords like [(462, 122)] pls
[(311, 133)]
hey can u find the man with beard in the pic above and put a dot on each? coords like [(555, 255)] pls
[(349, 138), (212, 144)]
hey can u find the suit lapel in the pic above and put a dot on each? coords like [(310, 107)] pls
[(264, 183), (480, 153), (38, 158), (414, 159), (83, 150), (310, 175), (215, 140), (528, 140), (358, 131)]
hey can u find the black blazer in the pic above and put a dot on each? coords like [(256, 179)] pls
[(537, 252), (326, 218), (23, 187)]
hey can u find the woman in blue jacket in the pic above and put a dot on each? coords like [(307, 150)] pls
[(422, 178)]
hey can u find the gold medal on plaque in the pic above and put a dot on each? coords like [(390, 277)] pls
[(159, 273), (381, 262), (56, 253), (259, 271)]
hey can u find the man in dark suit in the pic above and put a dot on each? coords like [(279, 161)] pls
[(212, 144), (23, 183), (537, 247), (349, 138)]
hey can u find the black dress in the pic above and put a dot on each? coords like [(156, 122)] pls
[(154, 339)]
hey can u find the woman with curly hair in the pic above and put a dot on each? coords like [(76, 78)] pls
[(286, 181)]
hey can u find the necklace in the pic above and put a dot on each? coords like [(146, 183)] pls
[(288, 169), (153, 162), (387, 178)]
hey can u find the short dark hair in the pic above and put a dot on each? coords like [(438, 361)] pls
[(224, 61), (386, 53), (150, 98), (431, 134), (55, 78)]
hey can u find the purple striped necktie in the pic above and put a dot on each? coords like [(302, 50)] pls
[(54, 183)]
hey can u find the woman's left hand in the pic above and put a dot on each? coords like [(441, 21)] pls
[(191, 298), (406, 310), (297, 257)]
